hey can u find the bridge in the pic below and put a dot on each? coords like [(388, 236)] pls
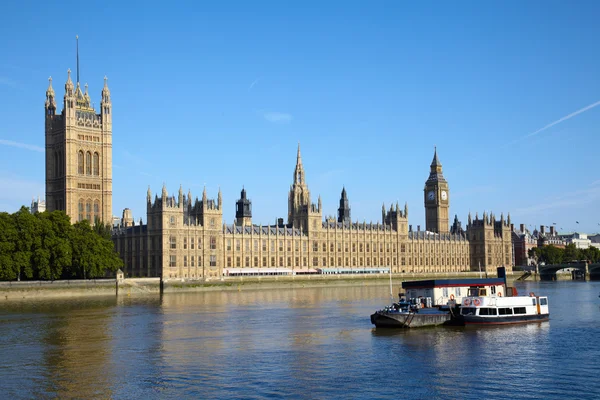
[(579, 271)]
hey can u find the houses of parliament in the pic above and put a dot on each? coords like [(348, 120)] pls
[(186, 237)]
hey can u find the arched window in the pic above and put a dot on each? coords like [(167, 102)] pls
[(56, 162), (81, 204), (88, 163), (88, 210), (96, 164), (96, 210), (80, 162)]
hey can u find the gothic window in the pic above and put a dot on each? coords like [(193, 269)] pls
[(331, 247), (255, 244), (56, 162), (81, 210), (315, 246), (264, 245), (173, 242), (324, 247), (172, 261), (213, 243), (281, 245), (247, 245), (229, 261), (256, 261), (185, 261), (96, 164), (88, 163), (88, 210), (237, 261), (192, 261), (96, 210), (80, 162), (238, 245), (228, 244), (185, 243), (247, 261), (264, 262)]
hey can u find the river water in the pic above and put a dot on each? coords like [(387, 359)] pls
[(292, 343)]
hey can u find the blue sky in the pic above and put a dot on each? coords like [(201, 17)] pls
[(219, 94)]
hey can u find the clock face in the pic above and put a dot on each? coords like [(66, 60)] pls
[(430, 195), (444, 195)]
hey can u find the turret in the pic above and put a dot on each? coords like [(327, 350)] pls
[(106, 105), (50, 105), (180, 197), (149, 195)]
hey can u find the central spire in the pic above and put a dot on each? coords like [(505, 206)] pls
[(299, 171), (436, 161)]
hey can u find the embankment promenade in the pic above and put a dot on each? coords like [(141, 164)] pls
[(153, 286)]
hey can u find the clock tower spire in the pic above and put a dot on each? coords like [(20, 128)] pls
[(437, 198)]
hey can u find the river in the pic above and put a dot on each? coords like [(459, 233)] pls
[(315, 343)]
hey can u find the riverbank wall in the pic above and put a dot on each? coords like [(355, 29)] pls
[(154, 286)]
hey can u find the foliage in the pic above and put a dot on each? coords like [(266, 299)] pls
[(46, 246), (555, 255)]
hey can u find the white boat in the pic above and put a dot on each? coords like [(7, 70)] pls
[(498, 310)]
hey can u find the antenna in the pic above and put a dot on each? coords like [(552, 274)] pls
[(77, 44)]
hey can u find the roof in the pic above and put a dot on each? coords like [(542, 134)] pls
[(433, 283)]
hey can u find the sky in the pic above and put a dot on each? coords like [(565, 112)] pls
[(219, 94)]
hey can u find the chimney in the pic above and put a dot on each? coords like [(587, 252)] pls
[(410, 228), (522, 228), (551, 231), (512, 227), (542, 229), (418, 228)]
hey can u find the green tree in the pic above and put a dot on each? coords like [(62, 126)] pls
[(592, 254), (552, 254), (26, 227), (8, 239), (93, 255), (572, 253), (54, 253)]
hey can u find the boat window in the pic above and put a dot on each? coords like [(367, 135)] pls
[(520, 310), (493, 289), (487, 311), (533, 301), (505, 311), (482, 292), (543, 301), (445, 292), (467, 311), (458, 291)]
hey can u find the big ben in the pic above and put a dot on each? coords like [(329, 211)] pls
[(437, 199)]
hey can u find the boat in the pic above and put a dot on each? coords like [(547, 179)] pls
[(499, 310), (412, 313)]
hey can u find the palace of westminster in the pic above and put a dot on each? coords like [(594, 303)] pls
[(186, 238)]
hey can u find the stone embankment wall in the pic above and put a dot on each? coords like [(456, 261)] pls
[(152, 286)]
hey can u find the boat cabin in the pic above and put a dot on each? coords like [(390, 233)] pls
[(442, 291)]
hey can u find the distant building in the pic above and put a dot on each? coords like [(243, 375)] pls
[(38, 205), (523, 240), (580, 240)]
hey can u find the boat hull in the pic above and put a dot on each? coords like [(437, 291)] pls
[(383, 319), (508, 320)]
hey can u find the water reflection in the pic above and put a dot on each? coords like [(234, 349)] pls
[(298, 343)]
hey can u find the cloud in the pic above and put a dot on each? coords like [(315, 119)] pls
[(253, 83), (576, 198), (22, 145), (277, 117), (558, 121), (7, 81)]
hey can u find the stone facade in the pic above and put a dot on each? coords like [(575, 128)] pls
[(185, 238), (79, 154)]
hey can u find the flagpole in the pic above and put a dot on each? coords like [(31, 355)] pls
[(77, 45)]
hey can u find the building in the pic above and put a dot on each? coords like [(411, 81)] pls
[(185, 237), (523, 240), (38, 205), (79, 153), (580, 240)]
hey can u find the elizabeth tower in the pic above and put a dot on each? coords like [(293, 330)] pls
[(437, 199)]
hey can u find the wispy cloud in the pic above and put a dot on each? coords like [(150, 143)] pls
[(575, 198), (253, 84), (277, 117), (595, 183), (22, 145), (7, 81), (558, 121)]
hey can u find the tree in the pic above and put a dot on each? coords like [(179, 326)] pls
[(592, 254), (26, 226), (93, 255), (572, 253), (8, 239), (55, 252), (552, 254)]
